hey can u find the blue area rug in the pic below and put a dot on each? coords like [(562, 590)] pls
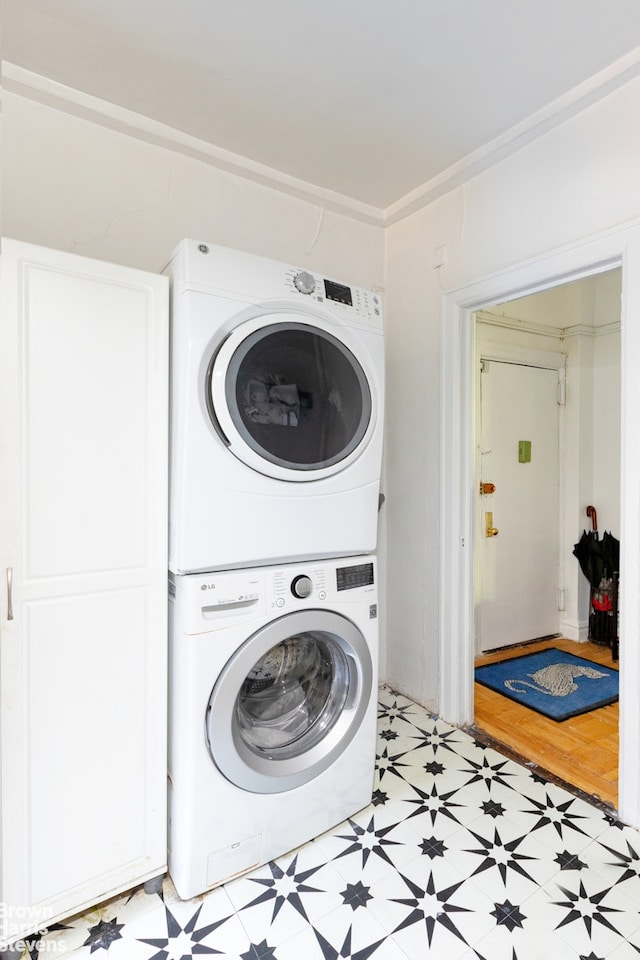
[(554, 683)]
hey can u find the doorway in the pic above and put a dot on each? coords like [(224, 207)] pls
[(457, 632), (548, 429), (522, 574)]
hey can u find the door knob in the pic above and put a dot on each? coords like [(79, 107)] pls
[(489, 529)]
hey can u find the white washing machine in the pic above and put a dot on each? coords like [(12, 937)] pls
[(272, 712), (277, 412)]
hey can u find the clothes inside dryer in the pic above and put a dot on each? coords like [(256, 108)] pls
[(292, 696), (297, 396)]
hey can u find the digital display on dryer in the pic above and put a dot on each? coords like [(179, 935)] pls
[(348, 578), (335, 291)]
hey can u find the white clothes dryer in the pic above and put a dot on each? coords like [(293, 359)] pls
[(273, 698), (276, 412)]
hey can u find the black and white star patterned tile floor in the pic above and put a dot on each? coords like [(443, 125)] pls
[(463, 854)]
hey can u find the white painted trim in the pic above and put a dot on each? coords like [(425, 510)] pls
[(577, 630), (457, 471), (513, 353), (595, 88), (629, 802), (522, 326), (488, 319), (586, 330), (32, 86), (619, 246)]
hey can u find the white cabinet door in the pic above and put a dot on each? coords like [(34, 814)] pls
[(83, 570)]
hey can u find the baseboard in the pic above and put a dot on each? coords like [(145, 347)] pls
[(577, 630)]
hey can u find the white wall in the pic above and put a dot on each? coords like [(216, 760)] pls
[(74, 185), (572, 183)]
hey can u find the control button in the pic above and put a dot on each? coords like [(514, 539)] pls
[(280, 602), (301, 587), (322, 595), (304, 282)]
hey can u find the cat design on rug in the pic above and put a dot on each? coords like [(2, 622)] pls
[(556, 680)]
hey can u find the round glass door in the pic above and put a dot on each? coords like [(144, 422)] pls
[(289, 701), (295, 396)]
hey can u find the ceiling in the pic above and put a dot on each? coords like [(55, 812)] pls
[(370, 100)]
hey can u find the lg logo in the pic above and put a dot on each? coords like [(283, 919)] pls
[(208, 586)]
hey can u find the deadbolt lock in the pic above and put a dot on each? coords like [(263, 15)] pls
[(487, 488), (489, 529)]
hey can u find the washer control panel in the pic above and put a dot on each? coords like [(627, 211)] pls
[(303, 584), (208, 601), (290, 588)]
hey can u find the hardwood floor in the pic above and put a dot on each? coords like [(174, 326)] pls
[(582, 751)]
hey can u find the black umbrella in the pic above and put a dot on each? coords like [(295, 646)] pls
[(597, 558), (588, 552), (610, 553), (600, 562)]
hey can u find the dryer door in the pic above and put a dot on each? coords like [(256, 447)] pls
[(289, 701), (291, 399)]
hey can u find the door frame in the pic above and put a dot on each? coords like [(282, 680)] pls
[(618, 247)]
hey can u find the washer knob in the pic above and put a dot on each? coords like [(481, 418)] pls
[(301, 587), (304, 282)]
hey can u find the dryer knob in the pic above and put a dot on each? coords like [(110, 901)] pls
[(301, 587), (304, 282)]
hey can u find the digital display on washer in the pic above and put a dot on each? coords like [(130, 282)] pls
[(348, 578), (335, 291)]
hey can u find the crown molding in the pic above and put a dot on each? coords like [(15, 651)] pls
[(586, 330), (522, 326), (577, 99), (32, 86), (41, 89), (550, 331)]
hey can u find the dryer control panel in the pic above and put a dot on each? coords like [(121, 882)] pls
[(237, 275), (362, 305)]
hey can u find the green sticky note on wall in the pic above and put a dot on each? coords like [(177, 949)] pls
[(524, 451)]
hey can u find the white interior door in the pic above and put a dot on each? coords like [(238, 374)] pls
[(518, 529)]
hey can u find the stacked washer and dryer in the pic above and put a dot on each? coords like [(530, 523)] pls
[(276, 445)]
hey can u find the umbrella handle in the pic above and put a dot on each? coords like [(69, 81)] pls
[(591, 512)]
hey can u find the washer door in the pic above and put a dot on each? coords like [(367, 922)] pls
[(291, 399), (289, 701)]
